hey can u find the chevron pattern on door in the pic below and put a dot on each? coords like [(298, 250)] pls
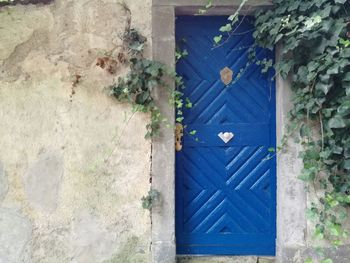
[(225, 192)]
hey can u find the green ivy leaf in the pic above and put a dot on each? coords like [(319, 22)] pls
[(311, 213), (217, 39), (193, 132), (179, 119), (336, 123), (335, 230), (311, 22), (344, 109), (305, 131), (209, 4), (323, 87), (319, 233), (271, 149), (345, 53), (346, 164), (333, 69), (346, 77), (284, 67), (232, 17), (188, 105), (226, 28)]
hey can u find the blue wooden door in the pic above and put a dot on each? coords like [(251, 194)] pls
[(225, 191)]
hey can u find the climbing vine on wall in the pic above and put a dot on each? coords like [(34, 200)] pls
[(137, 86), (315, 40)]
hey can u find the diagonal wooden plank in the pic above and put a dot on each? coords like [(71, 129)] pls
[(249, 156), (256, 214), (259, 167), (222, 223), (192, 221), (211, 97)]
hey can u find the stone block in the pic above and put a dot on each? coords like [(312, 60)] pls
[(163, 252), (211, 259)]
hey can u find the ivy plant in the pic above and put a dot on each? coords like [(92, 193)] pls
[(138, 85), (144, 75), (150, 199), (314, 36)]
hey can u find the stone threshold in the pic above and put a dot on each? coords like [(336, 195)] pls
[(224, 259)]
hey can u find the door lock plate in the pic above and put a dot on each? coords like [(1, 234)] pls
[(226, 75), (179, 132)]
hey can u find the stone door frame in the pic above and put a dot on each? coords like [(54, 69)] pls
[(291, 196)]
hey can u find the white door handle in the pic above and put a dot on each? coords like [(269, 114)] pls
[(226, 136)]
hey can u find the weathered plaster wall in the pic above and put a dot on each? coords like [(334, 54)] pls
[(70, 190)]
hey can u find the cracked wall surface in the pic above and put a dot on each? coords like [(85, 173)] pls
[(72, 169)]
